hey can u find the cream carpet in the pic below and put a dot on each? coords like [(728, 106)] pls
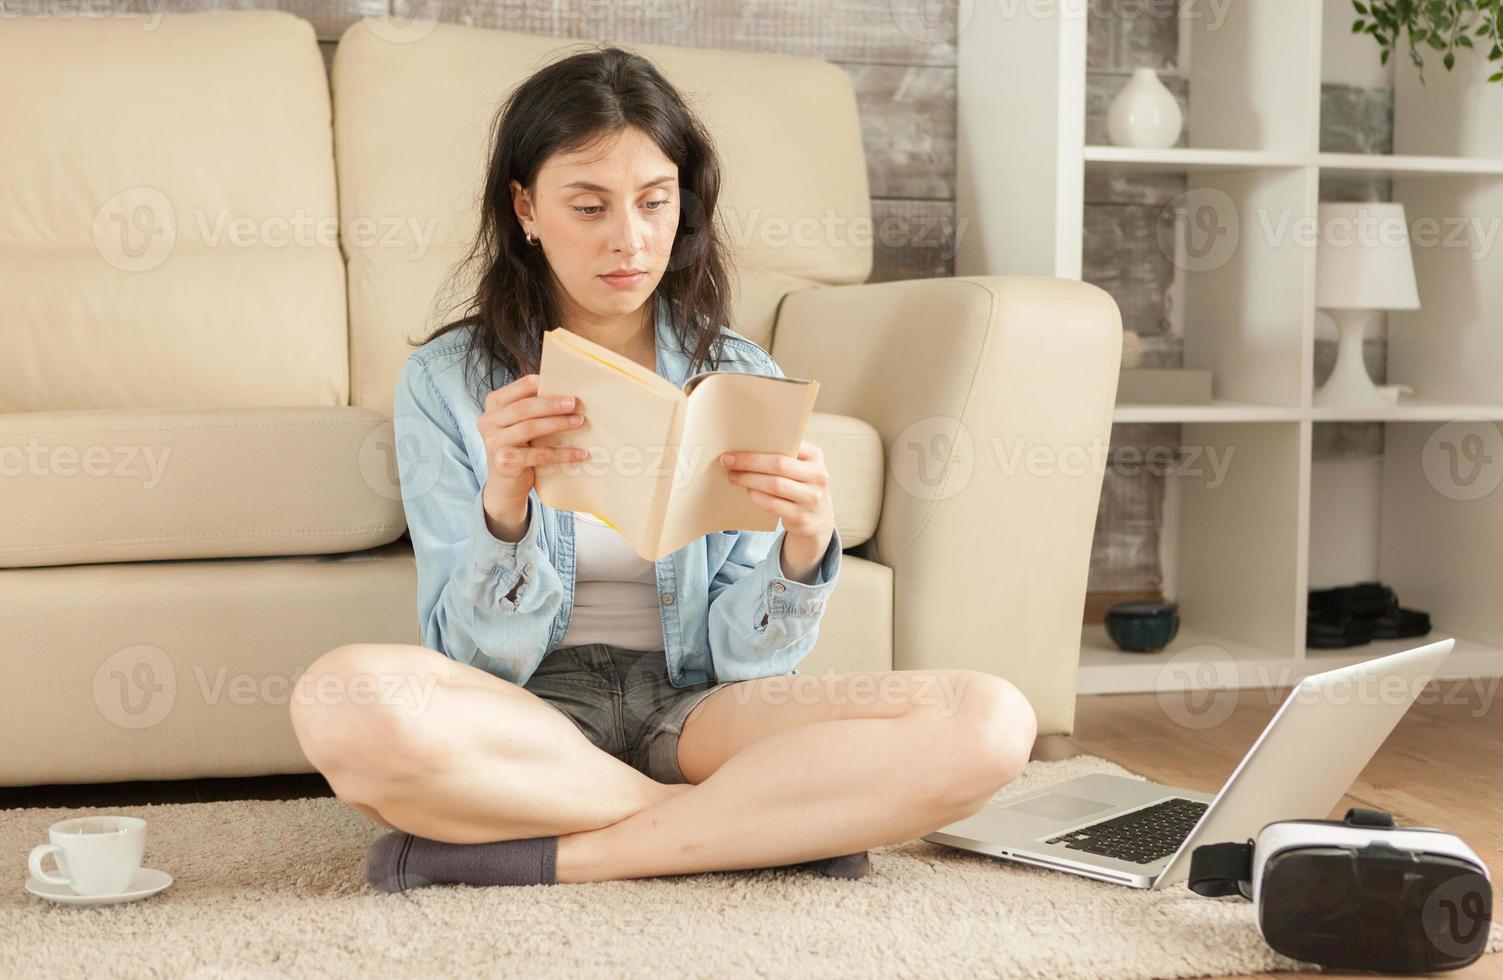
[(274, 889)]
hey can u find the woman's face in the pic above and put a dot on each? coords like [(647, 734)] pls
[(610, 207)]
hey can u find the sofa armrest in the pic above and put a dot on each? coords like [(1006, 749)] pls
[(993, 396)]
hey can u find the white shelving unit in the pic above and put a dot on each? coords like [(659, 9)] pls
[(1238, 547)]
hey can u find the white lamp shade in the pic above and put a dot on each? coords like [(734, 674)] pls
[(1363, 262)]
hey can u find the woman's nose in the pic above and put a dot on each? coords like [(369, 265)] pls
[(629, 233)]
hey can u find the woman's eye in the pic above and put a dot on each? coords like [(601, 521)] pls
[(587, 211), (657, 205)]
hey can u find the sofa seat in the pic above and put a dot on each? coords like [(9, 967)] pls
[(117, 485), (183, 669)]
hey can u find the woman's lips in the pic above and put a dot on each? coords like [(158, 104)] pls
[(624, 282)]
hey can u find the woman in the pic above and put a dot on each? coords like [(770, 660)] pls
[(577, 713)]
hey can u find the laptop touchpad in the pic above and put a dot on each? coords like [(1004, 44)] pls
[(1058, 806)]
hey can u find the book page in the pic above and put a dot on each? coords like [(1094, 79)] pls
[(629, 429), (729, 411)]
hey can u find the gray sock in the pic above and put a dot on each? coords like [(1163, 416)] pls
[(399, 861), (843, 866)]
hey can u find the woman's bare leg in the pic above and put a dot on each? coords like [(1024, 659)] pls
[(794, 768), (801, 767), (450, 752)]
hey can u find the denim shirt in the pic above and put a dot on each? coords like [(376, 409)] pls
[(729, 613)]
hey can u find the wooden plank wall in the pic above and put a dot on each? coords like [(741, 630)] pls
[(900, 55)]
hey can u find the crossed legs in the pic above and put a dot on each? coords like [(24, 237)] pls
[(781, 769)]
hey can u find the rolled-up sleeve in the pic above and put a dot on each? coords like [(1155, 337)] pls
[(762, 622), (481, 600)]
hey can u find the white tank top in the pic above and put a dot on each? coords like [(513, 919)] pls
[(615, 591)]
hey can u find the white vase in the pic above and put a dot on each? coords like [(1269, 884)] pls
[(1144, 113)]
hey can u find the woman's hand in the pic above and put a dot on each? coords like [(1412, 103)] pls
[(515, 415), (796, 489)]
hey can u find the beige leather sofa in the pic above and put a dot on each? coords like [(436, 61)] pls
[(211, 268)]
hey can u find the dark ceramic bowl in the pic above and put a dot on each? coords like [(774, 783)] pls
[(1142, 627)]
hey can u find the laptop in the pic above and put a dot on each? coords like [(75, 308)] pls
[(1141, 834)]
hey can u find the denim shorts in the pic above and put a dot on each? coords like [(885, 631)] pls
[(622, 701)]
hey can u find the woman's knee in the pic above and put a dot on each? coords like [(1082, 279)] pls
[(366, 706), (984, 733)]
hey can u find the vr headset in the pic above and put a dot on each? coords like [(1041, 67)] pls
[(1357, 893)]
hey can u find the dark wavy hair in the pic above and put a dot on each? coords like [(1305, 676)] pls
[(567, 106)]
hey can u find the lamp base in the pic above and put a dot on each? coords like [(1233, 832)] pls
[(1349, 386)]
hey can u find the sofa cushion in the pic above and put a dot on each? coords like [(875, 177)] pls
[(167, 214), (412, 125), (853, 456), (133, 485), (176, 670)]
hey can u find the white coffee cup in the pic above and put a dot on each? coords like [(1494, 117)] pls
[(95, 855)]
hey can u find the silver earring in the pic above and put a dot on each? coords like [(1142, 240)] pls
[(531, 240)]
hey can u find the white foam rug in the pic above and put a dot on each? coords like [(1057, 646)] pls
[(268, 888)]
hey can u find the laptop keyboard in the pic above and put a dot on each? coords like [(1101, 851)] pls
[(1140, 836)]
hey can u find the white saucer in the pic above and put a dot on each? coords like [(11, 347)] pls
[(147, 881)]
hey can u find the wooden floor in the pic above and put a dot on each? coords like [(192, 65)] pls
[(1442, 767)]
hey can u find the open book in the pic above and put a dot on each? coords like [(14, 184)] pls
[(654, 471)]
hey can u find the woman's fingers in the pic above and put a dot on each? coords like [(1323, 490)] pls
[(522, 387), (776, 486), (525, 431)]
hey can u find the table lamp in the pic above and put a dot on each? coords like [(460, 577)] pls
[(1363, 267)]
